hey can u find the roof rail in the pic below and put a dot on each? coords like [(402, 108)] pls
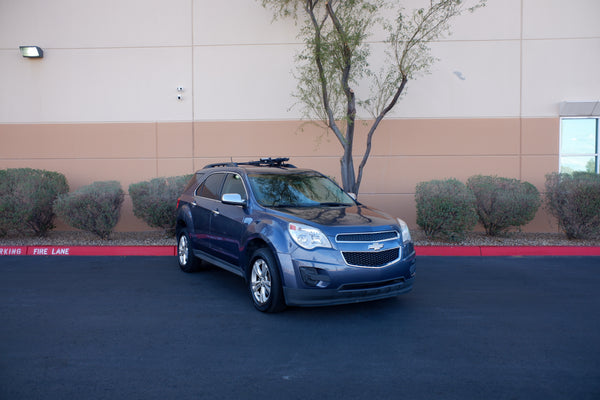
[(263, 162), (227, 164)]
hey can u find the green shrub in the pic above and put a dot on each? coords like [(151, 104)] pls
[(503, 203), (155, 201), (574, 199), (94, 208), (26, 198), (11, 215), (445, 208)]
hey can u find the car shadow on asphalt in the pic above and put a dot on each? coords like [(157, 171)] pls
[(234, 291)]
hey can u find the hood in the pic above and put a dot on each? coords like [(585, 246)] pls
[(340, 216)]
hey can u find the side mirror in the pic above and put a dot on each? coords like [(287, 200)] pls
[(233, 199)]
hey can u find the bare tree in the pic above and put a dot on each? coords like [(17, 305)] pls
[(336, 58)]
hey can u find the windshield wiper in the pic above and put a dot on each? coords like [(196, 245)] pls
[(334, 204), (309, 205), (287, 205)]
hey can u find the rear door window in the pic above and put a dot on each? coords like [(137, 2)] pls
[(211, 187)]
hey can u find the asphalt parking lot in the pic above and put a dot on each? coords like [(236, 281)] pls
[(138, 328)]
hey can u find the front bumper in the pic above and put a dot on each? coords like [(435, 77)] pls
[(331, 283), (328, 297)]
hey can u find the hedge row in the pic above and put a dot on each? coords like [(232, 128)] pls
[(448, 208), (30, 199)]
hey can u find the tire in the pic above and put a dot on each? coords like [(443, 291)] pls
[(185, 257), (264, 282)]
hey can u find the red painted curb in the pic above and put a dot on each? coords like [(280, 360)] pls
[(13, 251), (88, 250), (448, 251), (540, 251), (495, 251)]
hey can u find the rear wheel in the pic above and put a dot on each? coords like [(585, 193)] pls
[(264, 282), (185, 256)]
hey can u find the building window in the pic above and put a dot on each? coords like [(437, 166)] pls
[(579, 145)]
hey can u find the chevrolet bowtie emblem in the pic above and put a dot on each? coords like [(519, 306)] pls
[(375, 246)]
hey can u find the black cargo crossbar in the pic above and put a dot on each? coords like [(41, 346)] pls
[(263, 162)]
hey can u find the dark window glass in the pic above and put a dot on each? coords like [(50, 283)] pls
[(211, 186), (234, 184)]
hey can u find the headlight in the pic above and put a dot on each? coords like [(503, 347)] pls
[(307, 236), (404, 231)]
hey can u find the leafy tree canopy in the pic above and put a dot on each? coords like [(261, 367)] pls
[(337, 55)]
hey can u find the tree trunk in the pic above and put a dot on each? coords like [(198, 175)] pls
[(347, 169)]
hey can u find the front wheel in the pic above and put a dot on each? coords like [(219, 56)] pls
[(185, 256), (264, 282)]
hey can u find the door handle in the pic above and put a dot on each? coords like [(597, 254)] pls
[(216, 212)]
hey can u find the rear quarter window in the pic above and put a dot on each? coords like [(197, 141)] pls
[(193, 183)]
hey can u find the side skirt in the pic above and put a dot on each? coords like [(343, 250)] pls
[(219, 263)]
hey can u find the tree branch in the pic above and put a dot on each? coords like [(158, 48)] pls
[(323, 80), (373, 128)]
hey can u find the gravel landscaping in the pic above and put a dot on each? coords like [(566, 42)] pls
[(81, 238), (158, 238)]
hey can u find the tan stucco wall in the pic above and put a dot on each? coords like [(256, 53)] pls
[(102, 103), (405, 152)]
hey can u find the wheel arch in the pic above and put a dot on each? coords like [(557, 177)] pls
[(184, 219), (253, 245)]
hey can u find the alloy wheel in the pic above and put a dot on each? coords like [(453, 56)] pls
[(183, 250), (260, 281)]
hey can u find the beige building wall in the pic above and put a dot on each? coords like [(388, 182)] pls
[(102, 103)]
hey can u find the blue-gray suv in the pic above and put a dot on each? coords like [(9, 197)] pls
[(293, 234)]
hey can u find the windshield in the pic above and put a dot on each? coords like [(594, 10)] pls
[(307, 189)]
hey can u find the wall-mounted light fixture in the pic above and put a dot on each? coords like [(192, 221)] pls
[(31, 51)]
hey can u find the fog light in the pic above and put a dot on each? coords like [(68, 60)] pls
[(314, 277)]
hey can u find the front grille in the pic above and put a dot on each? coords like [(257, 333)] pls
[(371, 258), (366, 237)]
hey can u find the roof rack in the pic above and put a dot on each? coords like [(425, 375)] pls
[(263, 162)]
